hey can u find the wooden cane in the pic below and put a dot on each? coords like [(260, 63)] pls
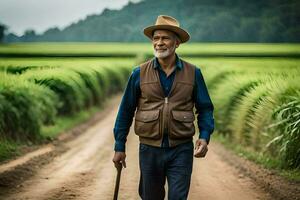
[(119, 169)]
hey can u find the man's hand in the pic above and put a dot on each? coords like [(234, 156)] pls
[(200, 148), (119, 159)]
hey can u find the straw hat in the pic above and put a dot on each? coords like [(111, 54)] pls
[(164, 22)]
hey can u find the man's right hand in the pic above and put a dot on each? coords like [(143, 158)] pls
[(119, 159)]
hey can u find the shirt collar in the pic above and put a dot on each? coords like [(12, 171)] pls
[(178, 63)]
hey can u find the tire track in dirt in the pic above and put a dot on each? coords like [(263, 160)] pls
[(103, 187), (213, 178), (84, 157)]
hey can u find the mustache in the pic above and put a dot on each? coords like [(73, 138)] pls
[(161, 49)]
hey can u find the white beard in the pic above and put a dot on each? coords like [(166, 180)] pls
[(165, 53)]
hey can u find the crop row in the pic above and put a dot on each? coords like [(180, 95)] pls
[(35, 96), (259, 108)]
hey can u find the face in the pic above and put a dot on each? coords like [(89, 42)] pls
[(164, 43)]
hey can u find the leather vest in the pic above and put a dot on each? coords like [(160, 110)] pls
[(173, 115)]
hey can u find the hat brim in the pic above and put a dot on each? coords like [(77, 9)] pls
[(183, 35)]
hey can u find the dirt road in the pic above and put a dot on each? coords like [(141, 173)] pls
[(85, 171)]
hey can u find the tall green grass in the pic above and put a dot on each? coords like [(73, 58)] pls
[(40, 94), (257, 106), (24, 108)]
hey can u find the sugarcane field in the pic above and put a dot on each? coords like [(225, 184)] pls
[(163, 107)]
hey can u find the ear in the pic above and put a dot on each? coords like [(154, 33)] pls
[(177, 43)]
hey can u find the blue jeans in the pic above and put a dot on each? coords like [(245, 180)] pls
[(158, 164)]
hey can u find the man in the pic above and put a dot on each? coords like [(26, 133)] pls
[(164, 91)]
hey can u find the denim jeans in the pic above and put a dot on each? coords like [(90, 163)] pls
[(158, 164)]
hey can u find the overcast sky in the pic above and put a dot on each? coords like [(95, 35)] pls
[(40, 15)]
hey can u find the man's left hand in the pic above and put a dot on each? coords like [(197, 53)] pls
[(200, 148)]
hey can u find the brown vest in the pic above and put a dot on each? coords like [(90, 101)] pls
[(157, 114)]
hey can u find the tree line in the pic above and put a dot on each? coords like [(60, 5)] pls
[(206, 21)]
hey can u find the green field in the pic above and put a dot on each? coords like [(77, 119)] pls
[(254, 87), (132, 49)]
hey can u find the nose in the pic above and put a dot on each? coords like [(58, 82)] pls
[(160, 42)]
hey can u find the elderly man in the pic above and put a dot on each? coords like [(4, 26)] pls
[(162, 93)]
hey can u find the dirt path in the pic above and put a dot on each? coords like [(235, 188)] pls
[(85, 171)]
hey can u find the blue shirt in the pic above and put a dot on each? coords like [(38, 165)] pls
[(203, 104)]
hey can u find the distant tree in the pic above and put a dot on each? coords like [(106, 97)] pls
[(2, 32), (221, 27), (248, 30), (53, 30), (272, 29), (29, 35), (51, 34), (10, 37)]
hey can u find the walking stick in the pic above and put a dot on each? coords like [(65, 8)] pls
[(119, 169)]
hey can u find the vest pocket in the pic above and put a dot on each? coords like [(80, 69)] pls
[(182, 124), (147, 123)]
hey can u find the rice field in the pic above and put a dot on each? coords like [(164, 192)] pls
[(254, 87), (133, 49)]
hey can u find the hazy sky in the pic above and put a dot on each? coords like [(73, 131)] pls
[(40, 15)]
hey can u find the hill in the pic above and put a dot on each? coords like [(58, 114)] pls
[(206, 20)]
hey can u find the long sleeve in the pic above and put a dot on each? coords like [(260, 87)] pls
[(126, 110), (204, 107)]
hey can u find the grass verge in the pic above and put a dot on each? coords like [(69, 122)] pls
[(63, 124), (10, 149), (258, 157)]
